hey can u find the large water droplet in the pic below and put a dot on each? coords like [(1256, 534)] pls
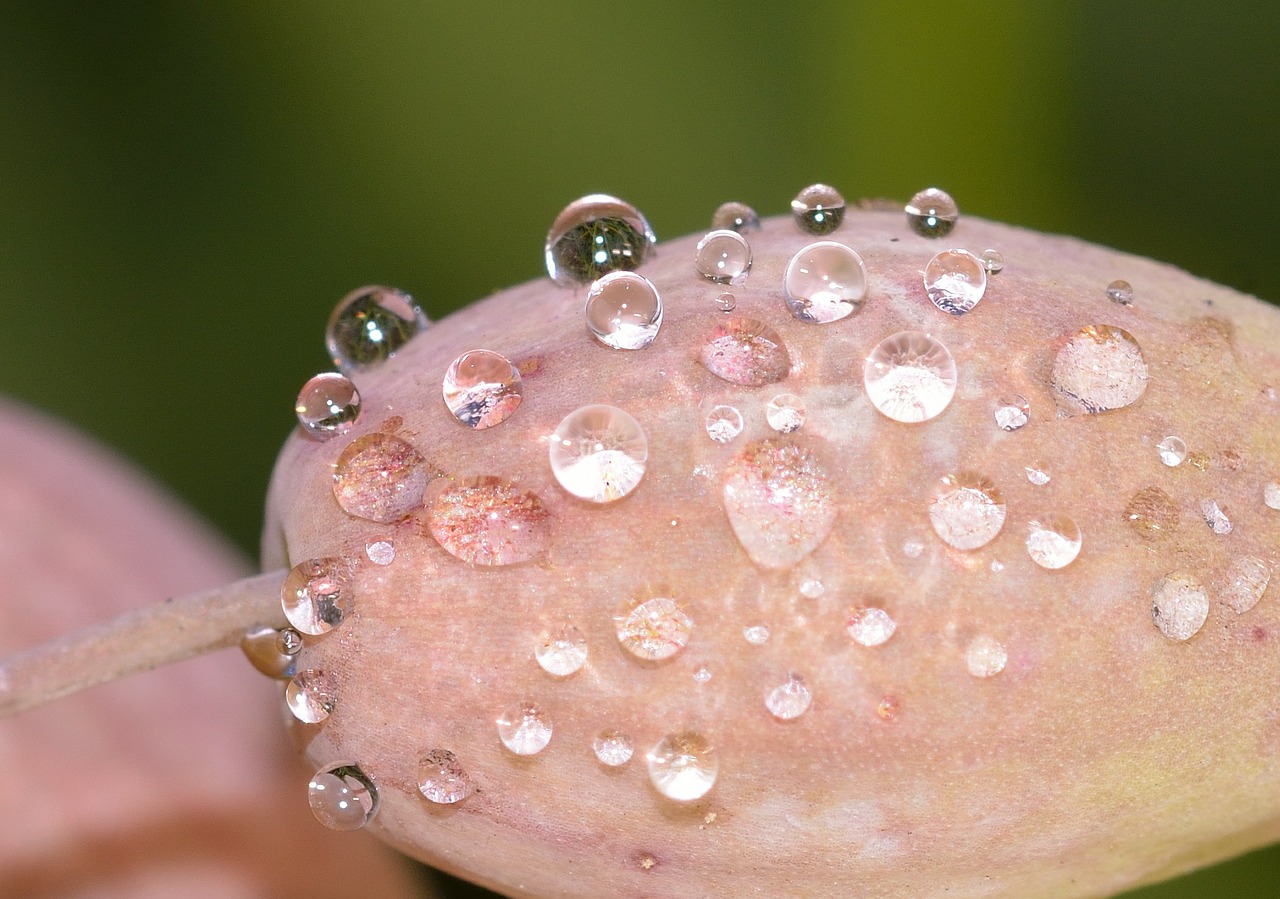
[(932, 213), (735, 216), (1100, 368), (967, 511), (317, 595), (599, 453), (612, 747), (910, 377), (955, 281), (1152, 513), (524, 729), (1172, 450), (482, 389), (1053, 541), (1012, 413), (595, 235), (1179, 606), (723, 423), (745, 352), (368, 326), (487, 521), (311, 696), (563, 652), (785, 413), (654, 629), (1120, 292), (870, 626), (380, 478), (985, 656), (818, 209), (778, 499), (342, 797), (790, 699), (1215, 517), (683, 766), (723, 257), (442, 779), (1243, 583), (328, 405), (624, 311), (825, 282)]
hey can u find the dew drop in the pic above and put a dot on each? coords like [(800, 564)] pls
[(1038, 475), (779, 502), (818, 209), (369, 325), (1215, 517), (683, 766), (785, 413), (1172, 450), (1053, 541), (342, 797), (735, 216), (317, 595), (563, 652), (887, 709), (723, 257), (380, 478), (992, 261), (910, 377), (328, 405), (955, 281), (756, 634), (1152, 513), (1243, 583), (265, 650), (1100, 368), (380, 552), (702, 675), (723, 423), (1179, 606), (1120, 292), (524, 729), (870, 626), (726, 302), (595, 235), (790, 699), (624, 311), (913, 547), (654, 629), (310, 696), (745, 352), (613, 747), (1013, 412), (825, 282), (812, 588), (487, 521), (442, 779), (985, 656), (967, 511), (289, 641), (599, 453), (482, 389), (1271, 495), (932, 213)]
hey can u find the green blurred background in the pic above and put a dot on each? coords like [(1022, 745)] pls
[(186, 189)]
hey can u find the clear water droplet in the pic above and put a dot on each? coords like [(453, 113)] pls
[(328, 405), (613, 747), (992, 261), (524, 729), (289, 641), (955, 281), (785, 413), (735, 216), (745, 352), (1243, 583), (932, 213), (825, 282), (317, 595), (624, 311), (683, 766), (723, 423), (1271, 495), (369, 325), (482, 389), (1172, 450), (1100, 368), (723, 257), (985, 656), (812, 588), (263, 648), (1152, 513), (311, 696), (599, 453), (702, 675), (595, 235), (1179, 606), (870, 626), (1038, 475), (967, 511), (654, 629), (563, 652), (380, 552), (442, 779), (380, 478), (910, 377), (726, 302), (1120, 292), (790, 699), (887, 709), (1013, 412), (779, 502), (342, 797), (818, 209), (487, 521), (1215, 517), (996, 566), (756, 634), (1053, 541)]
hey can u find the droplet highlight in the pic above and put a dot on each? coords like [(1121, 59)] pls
[(317, 595), (487, 521), (967, 511), (955, 281), (328, 405), (624, 311), (613, 747), (910, 377), (818, 209), (1100, 368), (1179, 606), (442, 779), (790, 699), (524, 729), (595, 235), (985, 656), (654, 629), (311, 696), (779, 502), (342, 797), (932, 213), (599, 453), (869, 625), (723, 423), (1053, 541), (683, 766), (825, 282), (380, 478), (785, 413), (745, 352), (563, 652), (482, 389), (723, 257)]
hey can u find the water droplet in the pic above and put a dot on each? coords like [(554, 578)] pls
[(328, 405), (756, 634), (1120, 292), (702, 675), (1172, 450), (932, 213), (723, 257), (613, 747), (870, 626), (723, 423), (1271, 495), (289, 641), (1038, 475), (654, 629), (985, 657), (563, 652), (1179, 606), (735, 217), (310, 696), (380, 552), (380, 478), (442, 779), (524, 729), (1152, 513), (482, 389), (785, 413), (955, 281), (745, 352), (487, 521), (317, 595), (595, 235), (910, 377), (887, 709), (1100, 368), (683, 766), (1243, 583), (342, 797), (992, 261), (779, 503), (369, 325), (790, 699), (726, 302), (812, 588), (913, 548), (1215, 517), (825, 282), (996, 566), (262, 647), (818, 209), (1012, 412), (599, 453), (1053, 541), (624, 311), (967, 511)]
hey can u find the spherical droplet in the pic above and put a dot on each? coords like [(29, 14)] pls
[(317, 595), (1215, 517), (955, 281), (380, 478), (992, 261), (1120, 292), (726, 302), (683, 766), (613, 747), (825, 282), (342, 797), (599, 453), (595, 235), (870, 626), (654, 629), (328, 405), (818, 209), (1037, 475), (1053, 541), (1172, 450), (745, 352), (310, 696), (723, 423), (1271, 495), (967, 511), (369, 325), (779, 502), (790, 699), (1012, 412), (985, 656), (1152, 513), (1100, 368), (289, 641), (487, 521), (442, 779), (1179, 606), (910, 377), (812, 588), (785, 413), (524, 729), (624, 311), (563, 652), (380, 552), (932, 213), (735, 216), (1243, 583), (482, 389), (723, 257), (756, 634)]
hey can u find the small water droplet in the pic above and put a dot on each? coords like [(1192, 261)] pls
[(910, 377), (726, 302), (825, 282), (1053, 541), (785, 413), (870, 626), (735, 217), (1013, 412), (683, 766), (985, 656), (1172, 450), (369, 325), (487, 521), (328, 405), (790, 699), (723, 257), (955, 281), (482, 389), (1038, 475), (1152, 513), (913, 547), (1243, 583), (887, 709), (289, 641), (818, 209), (1179, 606), (1215, 517), (1100, 368), (702, 675), (264, 649), (311, 696), (967, 511), (756, 634), (992, 261), (624, 311), (723, 423), (524, 729), (1271, 495), (1120, 292), (812, 588), (745, 352), (380, 478), (317, 595), (654, 629), (932, 213), (380, 552), (599, 453), (342, 797), (996, 566), (563, 652), (442, 779), (595, 235), (779, 503), (613, 747)]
